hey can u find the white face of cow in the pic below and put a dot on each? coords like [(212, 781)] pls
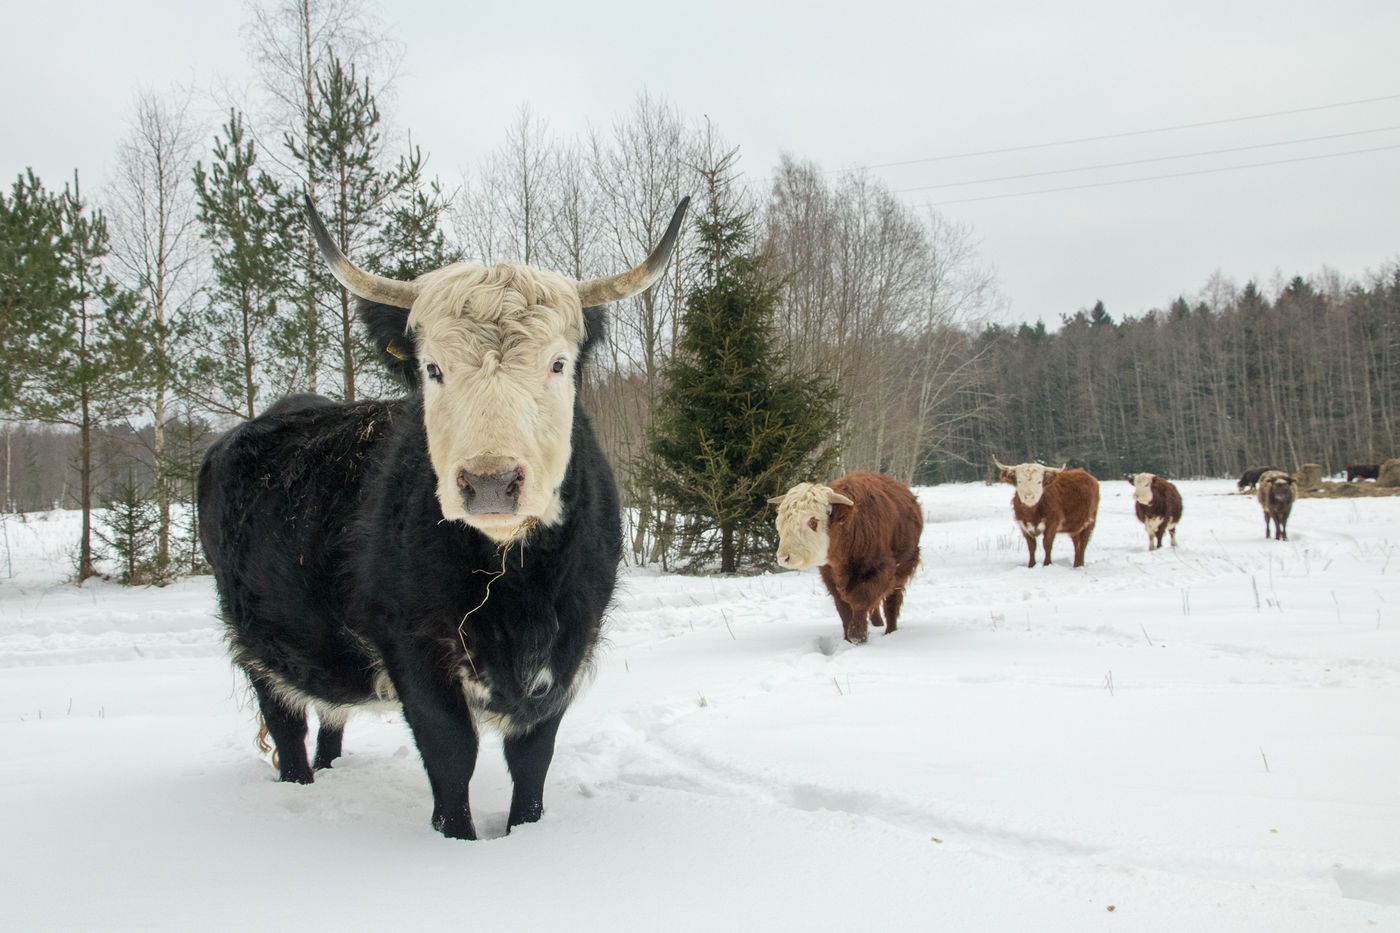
[(804, 517), (1029, 479), (497, 349), (1142, 487)]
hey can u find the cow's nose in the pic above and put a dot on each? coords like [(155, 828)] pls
[(486, 493), (784, 559)]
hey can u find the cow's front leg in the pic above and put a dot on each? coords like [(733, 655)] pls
[(436, 711), (528, 756)]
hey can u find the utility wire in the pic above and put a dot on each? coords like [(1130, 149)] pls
[(1130, 133), (1131, 181), (1170, 158)]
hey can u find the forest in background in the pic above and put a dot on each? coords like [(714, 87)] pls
[(138, 321)]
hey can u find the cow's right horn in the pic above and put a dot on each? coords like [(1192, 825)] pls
[(363, 284), (1002, 466)]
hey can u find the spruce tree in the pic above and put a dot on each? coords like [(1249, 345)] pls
[(732, 429), (131, 528)]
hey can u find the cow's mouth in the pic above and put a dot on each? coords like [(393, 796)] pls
[(503, 527)]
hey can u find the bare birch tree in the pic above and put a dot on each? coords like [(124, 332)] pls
[(155, 251)]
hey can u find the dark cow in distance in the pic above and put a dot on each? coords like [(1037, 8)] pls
[(1157, 503), (451, 552), (1276, 497), (863, 532), (1051, 501), (1250, 478), (1363, 471)]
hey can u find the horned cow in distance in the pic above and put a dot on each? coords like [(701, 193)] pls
[(1051, 501), (451, 552), (863, 532), (1157, 503)]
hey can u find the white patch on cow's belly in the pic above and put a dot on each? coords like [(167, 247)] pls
[(1153, 523), (1032, 529)]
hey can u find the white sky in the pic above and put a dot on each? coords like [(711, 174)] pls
[(867, 83)]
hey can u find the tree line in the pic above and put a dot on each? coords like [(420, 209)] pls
[(1206, 387)]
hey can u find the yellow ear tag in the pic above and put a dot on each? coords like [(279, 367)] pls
[(394, 351)]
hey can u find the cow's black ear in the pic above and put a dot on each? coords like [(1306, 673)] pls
[(595, 322), (387, 327)]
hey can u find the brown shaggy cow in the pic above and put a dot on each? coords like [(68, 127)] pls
[(1276, 498), (863, 532), (1158, 506), (1363, 471), (1052, 501)]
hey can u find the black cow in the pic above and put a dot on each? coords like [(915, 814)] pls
[(1363, 471), (371, 552), (1250, 478)]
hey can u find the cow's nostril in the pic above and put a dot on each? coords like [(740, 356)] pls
[(464, 485)]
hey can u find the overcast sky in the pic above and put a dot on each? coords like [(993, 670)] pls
[(866, 83)]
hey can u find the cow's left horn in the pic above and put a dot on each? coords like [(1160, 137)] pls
[(363, 284), (626, 284)]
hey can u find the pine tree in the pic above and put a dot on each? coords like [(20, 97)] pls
[(249, 325), (356, 193), (32, 242), (89, 358), (732, 430)]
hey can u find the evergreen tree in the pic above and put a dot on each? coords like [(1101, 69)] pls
[(732, 430), (249, 327), (356, 193), (131, 528), (412, 241), (89, 358), (32, 241)]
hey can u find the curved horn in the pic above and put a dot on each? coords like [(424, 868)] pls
[(1002, 466), (626, 284), (837, 499), (363, 284), (777, 500)]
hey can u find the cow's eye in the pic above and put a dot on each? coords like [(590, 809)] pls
[(558, 366), (434, 372), (812, 524)]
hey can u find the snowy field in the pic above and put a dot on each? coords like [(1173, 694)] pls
[(1205, 738)]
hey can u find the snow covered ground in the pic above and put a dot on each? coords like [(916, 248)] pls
[(1205, 738)]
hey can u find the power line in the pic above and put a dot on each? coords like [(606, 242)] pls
[(1131, 181), (1130, 133), (1170, 158)]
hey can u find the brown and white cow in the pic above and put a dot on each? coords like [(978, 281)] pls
[(1157, 503), (1051, 501), (1276, 499), (863, 532)]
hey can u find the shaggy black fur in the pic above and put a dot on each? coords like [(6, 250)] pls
[(334, 567)]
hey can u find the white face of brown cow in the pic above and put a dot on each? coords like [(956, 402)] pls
[(1142, 487), (1029, 480), (804, 533), (497, 347)]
